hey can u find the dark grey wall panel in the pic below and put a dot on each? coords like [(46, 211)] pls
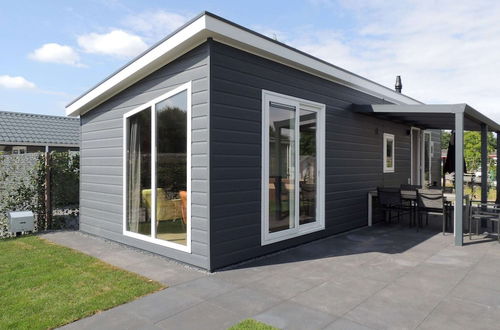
[(353, 152), (102, 150)]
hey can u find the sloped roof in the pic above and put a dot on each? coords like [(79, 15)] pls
[(208, 25), (28, 128)]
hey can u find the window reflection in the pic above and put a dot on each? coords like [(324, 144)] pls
[(171, 169), (139, 173)]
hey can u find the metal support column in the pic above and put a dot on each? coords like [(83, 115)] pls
[(484, 163), (459, 177)]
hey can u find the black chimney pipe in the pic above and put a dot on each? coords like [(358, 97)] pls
[(399, 84)]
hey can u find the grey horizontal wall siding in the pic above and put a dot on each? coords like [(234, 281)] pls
[(353, 152), (102, 151)]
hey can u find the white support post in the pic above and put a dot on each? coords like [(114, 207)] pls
[(459, 177)]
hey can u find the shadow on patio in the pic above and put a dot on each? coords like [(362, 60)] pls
[(395, 245)]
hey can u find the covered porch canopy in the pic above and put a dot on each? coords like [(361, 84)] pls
[(457, 117)]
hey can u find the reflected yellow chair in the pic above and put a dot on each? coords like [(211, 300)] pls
[(166, 209)]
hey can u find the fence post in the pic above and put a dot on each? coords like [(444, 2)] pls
[(48, 197)]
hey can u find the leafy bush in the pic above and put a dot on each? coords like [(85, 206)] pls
[(22, 187)]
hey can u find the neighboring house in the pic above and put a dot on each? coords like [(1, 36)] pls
[(219, 144), (22, 133)]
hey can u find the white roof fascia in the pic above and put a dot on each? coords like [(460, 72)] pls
[(253, 43), (223, 31), (152, 60)]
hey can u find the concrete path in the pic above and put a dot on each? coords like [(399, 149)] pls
[(374, 278)]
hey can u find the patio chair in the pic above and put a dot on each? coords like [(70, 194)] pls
[(431, 201), (166, 209), (489, 211), (389, 200), (410, 189)]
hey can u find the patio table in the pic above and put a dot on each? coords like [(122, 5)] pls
[(411, 196)]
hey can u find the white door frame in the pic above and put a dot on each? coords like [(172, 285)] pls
[(419, 161), (424, 133), (319, 224)]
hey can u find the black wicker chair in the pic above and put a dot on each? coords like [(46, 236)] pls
[(389, 201)]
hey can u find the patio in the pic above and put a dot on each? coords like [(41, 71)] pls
[(373, 278)]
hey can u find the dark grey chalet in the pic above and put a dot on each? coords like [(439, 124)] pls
[(219, 144)]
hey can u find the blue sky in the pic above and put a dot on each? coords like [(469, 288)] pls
[(446, 51)]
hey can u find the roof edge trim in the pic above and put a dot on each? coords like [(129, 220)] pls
[(209, 25)]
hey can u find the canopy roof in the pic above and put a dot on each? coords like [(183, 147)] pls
[(431, 116)]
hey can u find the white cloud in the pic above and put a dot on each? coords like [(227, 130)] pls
[(155, 25), (56, 53), (15, 82), (446, 51), (117, 43)]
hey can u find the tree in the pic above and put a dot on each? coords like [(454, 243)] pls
[(472, 149), (445, 139)]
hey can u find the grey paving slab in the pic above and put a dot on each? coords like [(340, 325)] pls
[(428, 283), (161, 305), (113, 319), (164, 271), (339, 297), (245, 301), (243, 274), (204, 316), (290, 315), (489, 282), (488, 265), (458, 314), (345, 324), (282, 285), (206, 287), (477, 294), (395, 307)]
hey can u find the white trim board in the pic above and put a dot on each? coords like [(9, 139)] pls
[(210, 26), (388, 137), (151, 106)]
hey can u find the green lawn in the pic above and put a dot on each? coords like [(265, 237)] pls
[(44, 285), (250, 324)]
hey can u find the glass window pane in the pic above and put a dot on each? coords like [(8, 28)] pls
[(139, 173), (308, 166), (281, 167), (389, 158), (171, 169)]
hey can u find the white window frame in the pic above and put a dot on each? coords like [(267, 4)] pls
[(319, 224), (429, 133), (151, 104), (16, 150), (391, 137)]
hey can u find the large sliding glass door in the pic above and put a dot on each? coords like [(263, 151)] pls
[(157, 173), (293, 150)]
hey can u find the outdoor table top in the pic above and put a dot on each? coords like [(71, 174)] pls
[(412, 195)]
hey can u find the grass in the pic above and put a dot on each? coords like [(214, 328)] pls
[(476, 193), (250, 324), (44, 285)]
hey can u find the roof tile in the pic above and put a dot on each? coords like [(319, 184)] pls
[(25, 127)]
